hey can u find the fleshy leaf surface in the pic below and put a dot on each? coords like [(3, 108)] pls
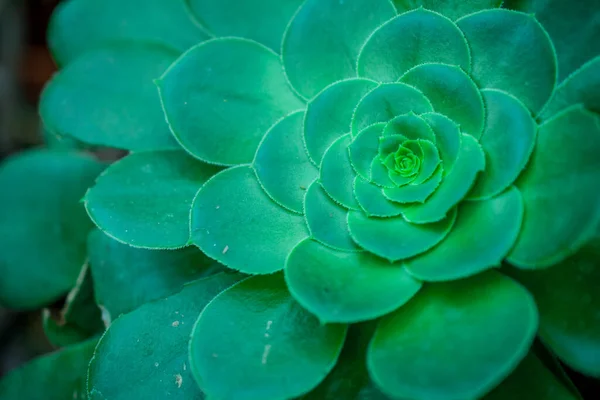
[(327, 221), (508, 140), (484, 232), (144, 199), (323, 40), (448, 137), (219, 79), (410, 39), (395, 238), (126, 277), (560, 181), (106, 98), (452, 9), (260, 20), (512, 52), (329, 114), (417, 193), (454, 340), (364, 149), (337, 174), (282, 165), (451, 92), (40, 209), (273, 340), (59, 375), (235, 222), (78, 26), (346, 287), (144, 354), (372, 200), (572, 284)]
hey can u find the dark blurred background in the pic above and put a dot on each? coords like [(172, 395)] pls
[(25, 66)]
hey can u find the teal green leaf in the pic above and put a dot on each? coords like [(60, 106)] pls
[(512, 52), (274, 350), (415, 192), (429, 162), (582, 87), (350, 379), (386, 102), (126, 277), (448, 137), (282, 164), (346, 287), (454, 340), (372, 201), (327, 221), (573, 27), (144, 354), (329, 114), (219, 79), (508, 140), (380, 175), (452, 9), (364, 148), (564, 170), (411, 126), (337, 174), (106, 98), (236, 223), (412, 38), (40, 209), (323, 40), (144, 199), (395, 238), (59, 375), (79, 318), (454, 186), (78, 26), (452, 93), (531, 380), (568, 297), (263, 21), (483, 234)]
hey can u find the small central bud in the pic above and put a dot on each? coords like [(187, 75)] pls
[(404, 162)]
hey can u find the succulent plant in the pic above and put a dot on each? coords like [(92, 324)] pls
[(369, 199)]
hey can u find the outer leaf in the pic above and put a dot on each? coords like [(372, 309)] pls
[(484, 232), (511, 51), (328, 115), (455, 185), (282, 165), (106, 98), (263, 21), (346, 287), (452, 93), (452, 9), (582, 87), (78, 26), (564, 170), (573, 27), (222, 96), (337, 174), (454, 340), (572, 284), (234, 222), (145, 198), (412, 38), (40, 209), (144, 354), (126, 277), (59, 375), (531, 380), (322, 42), (395, 238), (327, 220), (272, 341), (508, 140)]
